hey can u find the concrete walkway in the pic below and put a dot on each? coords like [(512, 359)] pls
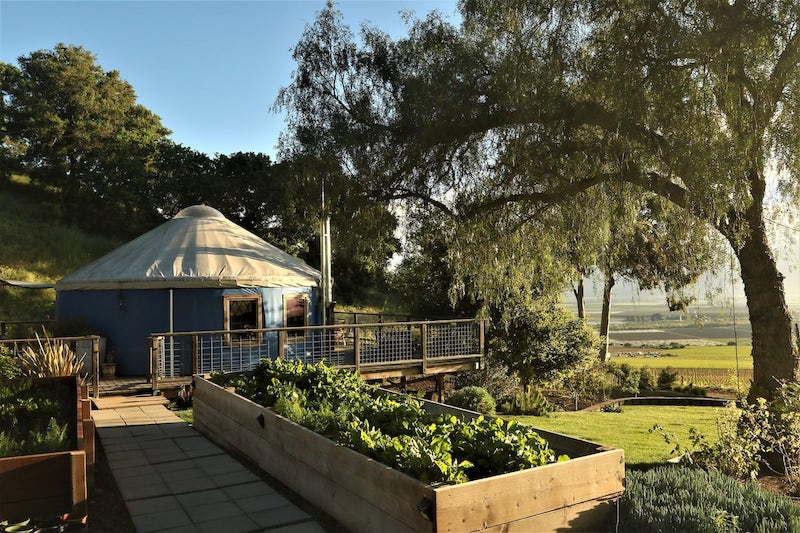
[(174, 479)]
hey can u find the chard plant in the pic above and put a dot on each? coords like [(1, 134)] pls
[(392, 429)]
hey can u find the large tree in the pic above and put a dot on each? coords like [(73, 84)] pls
[(529, 103), (81, 129)]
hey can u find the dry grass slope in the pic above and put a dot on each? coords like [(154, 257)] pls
[(37, 246)]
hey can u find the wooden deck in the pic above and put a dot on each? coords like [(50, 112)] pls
[(139, 386)]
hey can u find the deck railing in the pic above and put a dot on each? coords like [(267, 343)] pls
[(361, 347), (86, 347)]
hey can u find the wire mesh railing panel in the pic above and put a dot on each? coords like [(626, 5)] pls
[(225, 353), (384, 344), (453, 339), (317, 345), (373, 344)]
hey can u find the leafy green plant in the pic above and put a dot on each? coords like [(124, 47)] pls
[(8, 363), (679, 498), (392, 429), (756, 436), (32, 417), (474, 399)]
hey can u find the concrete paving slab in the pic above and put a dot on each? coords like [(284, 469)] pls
[(153, 505), (229, 524), (262, 502), (279, 516), (302, 527), (161, 521), (174, 479)]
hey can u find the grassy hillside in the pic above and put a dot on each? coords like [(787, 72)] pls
[(36, 246)]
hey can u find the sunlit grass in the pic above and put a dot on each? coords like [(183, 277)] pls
[(36, 246), (695, 357), (630, 429)]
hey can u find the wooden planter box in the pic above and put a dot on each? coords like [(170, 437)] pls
[(52, 484), (364, 495)]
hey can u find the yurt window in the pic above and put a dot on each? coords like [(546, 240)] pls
[(295, 313), (243, 312)]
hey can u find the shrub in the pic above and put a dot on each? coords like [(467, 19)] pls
[(626, 377), (473, 399), (646, 379), (679, 498), (528, 402), (543, 341), (667, 377), (8, 363), (33, 417), (759, 435), (588, 380), (493, 376), (691, 389)]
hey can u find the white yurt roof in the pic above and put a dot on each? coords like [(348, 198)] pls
[(198, 247)]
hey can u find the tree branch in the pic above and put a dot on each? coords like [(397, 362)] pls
[(785, 66)]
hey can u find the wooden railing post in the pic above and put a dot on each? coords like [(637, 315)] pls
[(195, 367), (424, 341), (281, 344), (357, 346), (96, 367), (482, 339), (153, 349)]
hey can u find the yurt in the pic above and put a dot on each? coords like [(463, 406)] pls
[(197, 272)]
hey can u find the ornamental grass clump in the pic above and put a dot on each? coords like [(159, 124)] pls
[(51, 359), (392, 429)]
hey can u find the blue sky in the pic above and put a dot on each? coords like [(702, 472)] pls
[(210, 69)]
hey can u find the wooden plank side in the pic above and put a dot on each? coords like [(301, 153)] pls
[(493, 501), (40, 484), (286, 445), (350, 510), (88, 444), (591, 516), (80, 499)]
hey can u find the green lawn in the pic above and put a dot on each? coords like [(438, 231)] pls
[(695, 357), (629, 429)]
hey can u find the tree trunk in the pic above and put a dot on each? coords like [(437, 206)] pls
[(605, 317), (578, 292), (774, 353), (775, 356)]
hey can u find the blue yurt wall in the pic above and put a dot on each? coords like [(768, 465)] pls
[(193, 265)]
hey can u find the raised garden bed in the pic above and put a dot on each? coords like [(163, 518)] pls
[(54, 483), (365, 495)]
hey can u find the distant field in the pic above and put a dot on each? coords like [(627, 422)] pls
[(692, 357), (629, 429), (705, 366)]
